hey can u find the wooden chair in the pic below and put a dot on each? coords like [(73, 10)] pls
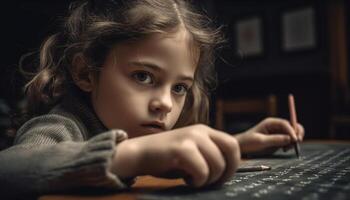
[(340, 89), (263, 106)]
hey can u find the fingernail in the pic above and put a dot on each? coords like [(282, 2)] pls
[(295, 138), (121, 135)]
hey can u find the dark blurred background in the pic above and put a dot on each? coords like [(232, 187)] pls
[(273, 48)]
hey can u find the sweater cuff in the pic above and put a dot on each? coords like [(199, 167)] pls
[(109, 140), (89, 165), (119, 136)]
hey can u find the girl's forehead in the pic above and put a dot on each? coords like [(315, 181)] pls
[(179, 34), (179, 42)]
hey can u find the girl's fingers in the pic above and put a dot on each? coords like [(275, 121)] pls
[(193, 163), (214, 158), (300, 132), (230, 149), (276, 140), (276, 125)]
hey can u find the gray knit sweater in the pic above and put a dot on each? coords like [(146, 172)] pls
[(65, 150)]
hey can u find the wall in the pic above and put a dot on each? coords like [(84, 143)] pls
[(304, 73)]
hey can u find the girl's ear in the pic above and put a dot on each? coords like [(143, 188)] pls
[(80, 74)]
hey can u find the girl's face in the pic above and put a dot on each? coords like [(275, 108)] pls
[(142, 86)]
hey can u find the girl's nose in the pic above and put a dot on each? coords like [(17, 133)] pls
[(161, 103)]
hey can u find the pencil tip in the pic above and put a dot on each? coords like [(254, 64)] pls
[(264, 167)]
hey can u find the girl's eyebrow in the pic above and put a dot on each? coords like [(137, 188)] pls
[(159, 69)]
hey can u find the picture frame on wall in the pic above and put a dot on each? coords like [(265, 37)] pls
[(249, 37), (298, 30)]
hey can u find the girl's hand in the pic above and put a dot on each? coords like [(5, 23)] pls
[(205, 155), (269, 135)]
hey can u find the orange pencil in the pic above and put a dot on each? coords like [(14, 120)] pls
[(293, 120)]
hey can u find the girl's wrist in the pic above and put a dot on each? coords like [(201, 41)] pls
[(240, 137), (124, 163)]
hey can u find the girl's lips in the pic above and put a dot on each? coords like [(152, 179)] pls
[(150, 129), (154, 125)]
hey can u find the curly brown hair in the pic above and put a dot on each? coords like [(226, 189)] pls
[(92, 28)]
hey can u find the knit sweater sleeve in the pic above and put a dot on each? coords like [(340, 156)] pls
[(51, 156)]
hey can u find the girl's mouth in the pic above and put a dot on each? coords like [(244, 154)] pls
[(154, 126)]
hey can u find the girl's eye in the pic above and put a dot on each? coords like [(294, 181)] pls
[(143, 77), (180, 89)]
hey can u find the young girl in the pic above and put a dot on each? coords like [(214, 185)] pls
[(122, 91)]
